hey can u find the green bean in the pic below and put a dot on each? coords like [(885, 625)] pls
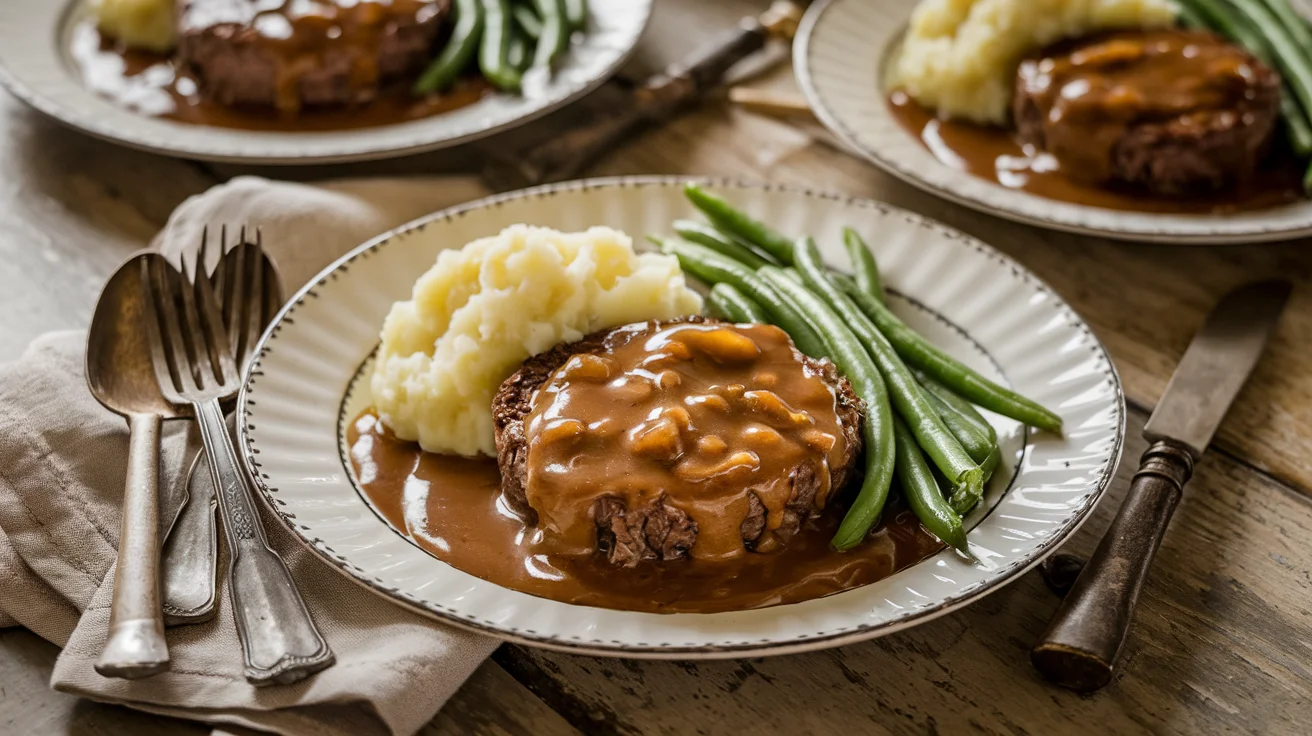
[(727, 302), (1294, 63), (903, 391), (459, 50), (527, 20), (741, 225), (494, 50), (921, 489), (713, 268), (1223, 19), (696, 232), (963, 503), (963, 407), (975, 442), (863, 264), (520, 53), (576, 12), (954, 374), (1293, 22), (555, 32), (861, 372)]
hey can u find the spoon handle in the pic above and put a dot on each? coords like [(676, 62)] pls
[(191, 551), (135, 646), (279, 640)]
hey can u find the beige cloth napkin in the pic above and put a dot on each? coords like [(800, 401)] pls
[(62, 464)]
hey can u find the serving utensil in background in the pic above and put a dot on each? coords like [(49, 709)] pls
[(195, 361), (120, 375), (659, 98), (1081, 646), (190, 555)]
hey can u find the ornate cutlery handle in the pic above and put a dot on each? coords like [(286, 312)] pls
[(1080, 647), (135, 646), (191, 552), (279, 639)]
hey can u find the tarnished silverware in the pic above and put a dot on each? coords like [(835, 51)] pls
[(191, 550), (195, 364), (1083, 642), (121, 376), (191, 545)]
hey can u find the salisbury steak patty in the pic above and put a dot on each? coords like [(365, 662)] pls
[(632, 520), (1172, 111), (304, 53)]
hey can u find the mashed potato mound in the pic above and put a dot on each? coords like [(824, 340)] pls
[(481, 310), (959, 57)]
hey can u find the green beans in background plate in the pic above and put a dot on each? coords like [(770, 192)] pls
[(963, 407), (728, 303), (696, 232), (863, 264), (714, 268), (555, 32), (1293, 62), (527, 20), (494, 48), (740, 225), (921, 489), (1223, 18), (860, 370), (904, 392), (576, 12), (458, 52), (918, 352)]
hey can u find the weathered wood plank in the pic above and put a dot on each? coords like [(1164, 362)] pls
[(1219, 645), (71, 208), (492, 703)]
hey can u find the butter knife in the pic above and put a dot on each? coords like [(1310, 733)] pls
[(1081, 646)]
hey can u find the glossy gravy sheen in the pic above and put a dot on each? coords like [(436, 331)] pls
[(995, 154), (151, 84), (692, 415), (452, 507)]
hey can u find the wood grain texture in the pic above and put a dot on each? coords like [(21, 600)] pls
[(71, 208), (1220, 645)]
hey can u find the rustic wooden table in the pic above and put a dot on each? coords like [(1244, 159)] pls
[(1223, 637)]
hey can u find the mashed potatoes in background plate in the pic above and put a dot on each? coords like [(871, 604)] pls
[(959, 56), (482, 310)]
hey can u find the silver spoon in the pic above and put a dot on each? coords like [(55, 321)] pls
[(121, 376)]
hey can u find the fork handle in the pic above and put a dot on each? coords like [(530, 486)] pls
[(279, 639), (135, 646)]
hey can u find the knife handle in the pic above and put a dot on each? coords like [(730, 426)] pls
[(1080, 648)]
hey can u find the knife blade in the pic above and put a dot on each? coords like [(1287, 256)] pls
[(1084, 639), (1216, 365)]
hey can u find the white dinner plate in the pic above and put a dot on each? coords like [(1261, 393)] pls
[(841, 55), (973, 301), (36, 67)]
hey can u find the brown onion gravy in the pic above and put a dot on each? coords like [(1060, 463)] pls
[(994, 154), (151, 84), (452, 507), (699, 417)]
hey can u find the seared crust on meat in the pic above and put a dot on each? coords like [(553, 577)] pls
[(657, 531)]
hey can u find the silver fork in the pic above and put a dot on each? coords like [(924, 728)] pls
[(190, 554), (194, 364)]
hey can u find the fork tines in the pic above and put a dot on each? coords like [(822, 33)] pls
[(188, 340)]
